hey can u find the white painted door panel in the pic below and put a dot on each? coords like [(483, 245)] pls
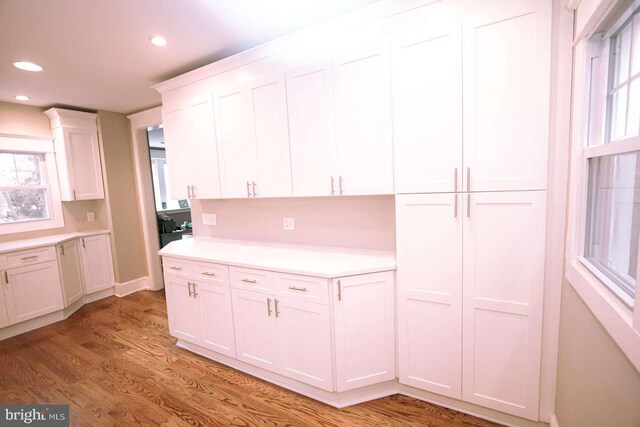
[(235, 148), (427, 108), (269, 128), (183, 310), (97, 266), (363, 120), (4, 316), (255, 329), (364, 310), (503, 289), (202, 150), (310, 102), (429, 254), (70, 264), (83, 163), (32, 291), (506, 96), (217, 318), (304, 342), (179, 159)]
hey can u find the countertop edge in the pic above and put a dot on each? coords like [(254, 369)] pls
[(39, 242)]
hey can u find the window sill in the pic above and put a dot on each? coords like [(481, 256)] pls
[(615, 317)]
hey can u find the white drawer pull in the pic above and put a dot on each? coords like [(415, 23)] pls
[(26, 258), (295, 288), (206, 273), (248, 280), (175, 268)]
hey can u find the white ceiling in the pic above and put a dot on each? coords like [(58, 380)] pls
[(96, 53)]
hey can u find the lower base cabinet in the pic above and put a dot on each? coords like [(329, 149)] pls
[(70, 263), (96, 263)]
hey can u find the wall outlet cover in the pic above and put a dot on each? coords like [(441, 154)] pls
[(209, 219), (90, 217), (289, 224)]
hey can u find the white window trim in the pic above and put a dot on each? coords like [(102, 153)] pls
[(621, 322), (15, 144)]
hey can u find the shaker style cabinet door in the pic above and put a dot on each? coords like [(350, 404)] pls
[(83, 163), (97, 266), (70, 265), (202, 149), (217, 318), (312, 129), (427, 108), (183, 310), (175, 123), (502, 299), (429, 256), (506, 96)]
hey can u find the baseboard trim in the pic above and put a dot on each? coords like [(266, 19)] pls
[(553, 422), (135, 285)]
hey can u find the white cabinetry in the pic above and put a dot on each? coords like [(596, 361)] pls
[(97, 267), (4, 316), (70, 263), (31, 282), (77, 154), (486, 249), (190, 143)]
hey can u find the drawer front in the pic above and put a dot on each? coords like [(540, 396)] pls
[(177, 267), (211, 273), (254, 280), (305, 288), (28, 257)]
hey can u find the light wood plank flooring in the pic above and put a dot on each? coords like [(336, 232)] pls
[(115, 363)]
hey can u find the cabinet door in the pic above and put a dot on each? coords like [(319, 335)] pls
[(97, 266), (427, 109), (236, 150), (175, 123), (311, 129), (83, 163), (202, 149), (363, 121), (32, 291), (269, 129), (255, 326), (304, 342), (503, 284), (71, 271), (183, 310), (429, 254), (4, 316), (217, 318), (364, 330), (506, 96)]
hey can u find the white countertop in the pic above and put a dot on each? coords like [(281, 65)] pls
[(46, 241), (317, 261)]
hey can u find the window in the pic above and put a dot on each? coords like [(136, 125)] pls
[(29, 194), (611, 177)]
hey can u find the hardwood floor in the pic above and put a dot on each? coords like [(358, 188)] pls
[(115, 363)]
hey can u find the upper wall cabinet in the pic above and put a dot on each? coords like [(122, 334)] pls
[(77, 154), (253, 139), (190, 141)]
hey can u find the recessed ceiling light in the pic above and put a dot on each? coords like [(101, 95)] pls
[(27, 66), (158, 40), (22, 97)]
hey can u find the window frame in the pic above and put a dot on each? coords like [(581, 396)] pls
[(22, 144), (616, 314)]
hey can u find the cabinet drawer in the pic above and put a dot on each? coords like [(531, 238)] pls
[(306, 288), (176, 267), (211, 273), (255, 280), (27, 257)]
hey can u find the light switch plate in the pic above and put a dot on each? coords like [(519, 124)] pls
[(90, 217), (209, 219), (289, 224)]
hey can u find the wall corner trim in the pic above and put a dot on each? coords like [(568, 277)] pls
[(135, 285)]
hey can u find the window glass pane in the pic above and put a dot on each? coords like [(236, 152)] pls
[(619, 114), (613, 217), (21, 169), (623, 55), (635, 47), (633, 115), (20, 205)]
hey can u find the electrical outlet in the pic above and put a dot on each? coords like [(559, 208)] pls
[(209, 219), (289, 224), (90, 217)]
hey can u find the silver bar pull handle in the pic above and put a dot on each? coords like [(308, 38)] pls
[(468, 205), (254, 188), (74, 195), (333, 185), (295, 288), (468, 179), (61, 249), (206, 273), (188, 191), (26, 258), (83, 244), (455, 207), (189, 287), (175, 268), (339, 291), (6, 277), (276, 303), (248, 280), (455, 180), (248, 189), (193, 192), (340, 184), (269, 307), (195, 294)]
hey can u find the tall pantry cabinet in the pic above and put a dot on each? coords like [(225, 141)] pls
[(470, 250)]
